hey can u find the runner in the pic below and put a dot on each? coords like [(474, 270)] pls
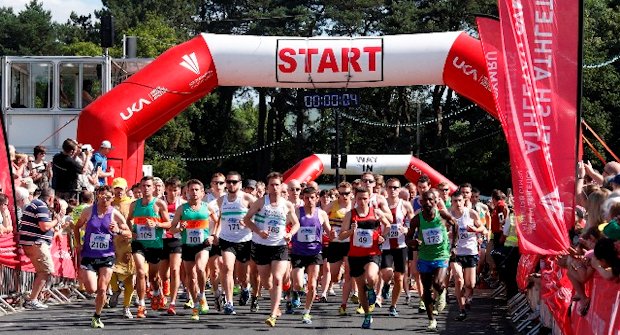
[(364, 224), (269, 247), (292, 297), (124, 268), (485, 218), (423, 184), (170, 265), (464, 269), (102, 222), (150, 217), (339, 248), (234, 240), (434, 251), (218, 189), (394, 256), (306, 249), (195, 220)]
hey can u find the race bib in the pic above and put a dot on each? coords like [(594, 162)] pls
[(394, 231), (306, 234), (432, 236), (463, 233), (99, 241), (363, 238), (233, 224), (145, 233), (274, 227), (194, 236)]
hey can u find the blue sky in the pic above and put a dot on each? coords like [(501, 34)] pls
[(60, 9)]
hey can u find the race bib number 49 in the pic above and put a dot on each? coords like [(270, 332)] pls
[(363, 238)]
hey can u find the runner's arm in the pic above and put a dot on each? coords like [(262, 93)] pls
[(347, 229), (175, 226), (163, 214), (123, 228), (325, 222), (248, 219), (293, 219)]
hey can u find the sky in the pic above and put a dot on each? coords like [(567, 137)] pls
[(60, 9)]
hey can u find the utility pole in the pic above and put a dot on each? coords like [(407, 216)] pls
[(417, 127)]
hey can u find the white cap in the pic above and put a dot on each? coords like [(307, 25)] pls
[(87, 147), (106, 145)]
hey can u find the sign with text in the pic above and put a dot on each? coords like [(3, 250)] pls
[(329, 60)]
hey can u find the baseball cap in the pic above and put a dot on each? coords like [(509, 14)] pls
[(119, 182), (612, 230), (87, 147), (249, 183), (106, 145), (615, 179)]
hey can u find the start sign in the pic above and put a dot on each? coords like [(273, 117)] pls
[(329, 60)]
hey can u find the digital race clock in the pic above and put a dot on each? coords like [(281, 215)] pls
[(338, 99)]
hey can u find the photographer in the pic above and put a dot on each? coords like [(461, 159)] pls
[(40, 170), (66, 169)]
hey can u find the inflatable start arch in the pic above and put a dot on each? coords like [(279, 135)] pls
[(138, 107), (411, 167)]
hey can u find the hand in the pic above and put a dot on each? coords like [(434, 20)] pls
[(210, 240), (588, 168), (112, 171), (114, 228), (151, 223), (403, 229), (288, 237), (183, 225), (381, 239), (353, 225), (581, 170), (332, 235), (263, 234), (471, 229)]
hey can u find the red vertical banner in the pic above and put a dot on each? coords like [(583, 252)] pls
[(556, 292), (540, 42), (7, 241)]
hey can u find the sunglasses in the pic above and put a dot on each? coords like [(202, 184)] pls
[(368, 181), (234, 182), (446, 189), (345, 193), (217, 182)]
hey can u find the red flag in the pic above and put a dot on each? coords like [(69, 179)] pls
[(527, 266), (539, 104), (556, 292), (8, 242)]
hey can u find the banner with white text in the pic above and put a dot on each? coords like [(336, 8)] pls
[(541, 69)]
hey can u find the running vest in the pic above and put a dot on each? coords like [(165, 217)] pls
[(396, 239), (467, 243), (434, 236), (511, 239), (365, 239), (336, 214), (171, 210), (197, 229), (273, 220), (232, 214), (147, 236), (98, 237), (417, 206), (307, 240)]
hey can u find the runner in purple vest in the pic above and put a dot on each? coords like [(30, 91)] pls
[(306, 249), (102, 222)]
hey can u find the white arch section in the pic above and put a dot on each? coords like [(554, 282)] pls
[(408, 166)]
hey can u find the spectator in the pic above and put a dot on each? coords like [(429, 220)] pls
[(40, 170), (159, 188), (36, 232), (610, 169), (100, 161), (88, 180), (87, 93), (66, 169), (6, 224), (593, 208), (249, 186), (22, 198)]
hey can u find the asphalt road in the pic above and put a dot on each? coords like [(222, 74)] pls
[(486, 317)]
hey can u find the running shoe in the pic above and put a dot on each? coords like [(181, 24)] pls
[(218, 300), (141, 312), (435, 312), (378, 304), (441, 302), (166, 288), (367, 321), (355, 299), (189, 304), (163, 301), (392, 311), (372, 296), (229, 309), (271, 321), (295, 300), (468, 303), (254, 305), (113, 302), (462, 316), (155, 302), (127, 313), (96, 323), (432, 325), (244, 296), (342, 311), (323, 299), (204, 307), (307, 319), (195, 314), (34, 305), (421, 306), (360, 310), (331, 292), (289, 308), (171, 310), (385, 291)]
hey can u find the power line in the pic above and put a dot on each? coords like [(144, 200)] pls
[(396, 125), (462, 144)]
